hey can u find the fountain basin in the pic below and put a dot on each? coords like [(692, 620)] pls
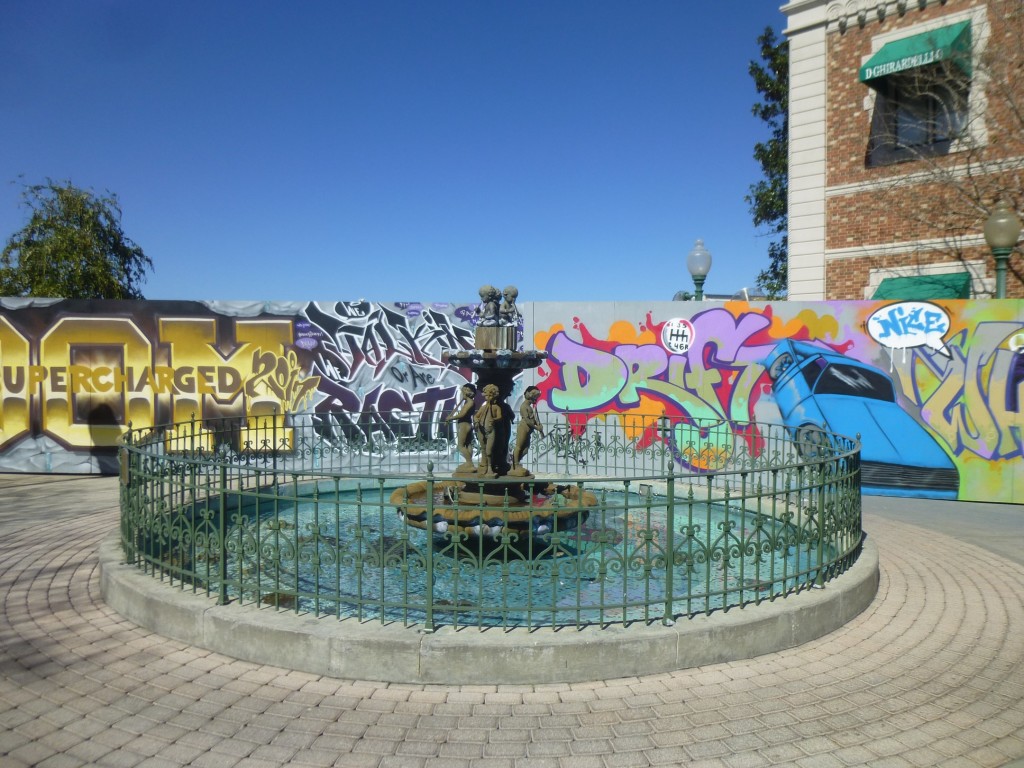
[(469, 508), (281, 559)]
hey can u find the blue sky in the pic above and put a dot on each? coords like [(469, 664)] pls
[(397, 150)]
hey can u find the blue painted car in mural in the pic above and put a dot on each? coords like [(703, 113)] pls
[(819, 390)]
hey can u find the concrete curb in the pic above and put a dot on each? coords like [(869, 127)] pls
[(391, 653)]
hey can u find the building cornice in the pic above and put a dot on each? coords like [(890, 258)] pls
[(840, 15), (843, 14)]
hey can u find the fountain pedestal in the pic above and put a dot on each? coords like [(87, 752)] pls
[(496, 497), (495, 362)]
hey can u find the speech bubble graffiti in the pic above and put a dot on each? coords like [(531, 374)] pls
[(910, 324)]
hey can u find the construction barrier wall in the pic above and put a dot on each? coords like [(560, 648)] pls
[(934, 389)]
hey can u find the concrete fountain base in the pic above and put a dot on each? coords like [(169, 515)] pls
[(394, 653)]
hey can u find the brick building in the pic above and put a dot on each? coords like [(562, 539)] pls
[(906, 125)]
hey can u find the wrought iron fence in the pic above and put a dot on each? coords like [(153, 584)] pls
[(625, 519)]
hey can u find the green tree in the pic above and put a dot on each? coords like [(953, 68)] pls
[(72, 247), (767, 198)]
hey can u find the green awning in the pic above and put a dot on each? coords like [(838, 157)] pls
[(951, 286), (952, 43)]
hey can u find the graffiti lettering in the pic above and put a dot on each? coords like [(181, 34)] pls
[(196, 340), (86, 363), (14, 410), (910, 324), (383, 414), (366, 373), (565, 444), (381, 336), (89, 342), (972, 399), (403, 373), (282, 377), (898, 321), (160, 379), (379, 363), (713, 380)]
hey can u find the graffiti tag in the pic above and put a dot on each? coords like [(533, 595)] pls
[(382, 372), (910, 324)]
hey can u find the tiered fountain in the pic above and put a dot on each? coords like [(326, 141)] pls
[(495, 496)]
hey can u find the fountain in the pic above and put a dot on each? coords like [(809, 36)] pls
[(497, 496), (591, 527)]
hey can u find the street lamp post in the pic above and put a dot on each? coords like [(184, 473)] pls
[(699, 263), (1001, 232)]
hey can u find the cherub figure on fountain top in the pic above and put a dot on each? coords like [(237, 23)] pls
[(499, 325), (509, 313), (498, 307), (487, 312)]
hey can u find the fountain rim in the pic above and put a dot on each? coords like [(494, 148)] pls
[(515, 656)]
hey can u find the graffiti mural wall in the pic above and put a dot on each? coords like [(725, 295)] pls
[(75, 374), (934, 389)]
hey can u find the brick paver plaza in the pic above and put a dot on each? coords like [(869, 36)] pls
[(930, 675)]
